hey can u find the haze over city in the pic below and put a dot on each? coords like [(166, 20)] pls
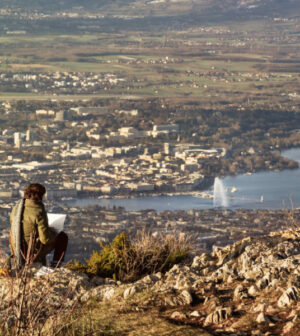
[(166, 116)]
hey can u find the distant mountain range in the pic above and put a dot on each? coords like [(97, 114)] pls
[(256, 7)]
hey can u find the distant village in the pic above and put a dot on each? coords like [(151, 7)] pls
[(59, 82)]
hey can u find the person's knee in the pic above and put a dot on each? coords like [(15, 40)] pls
[(62, 237)]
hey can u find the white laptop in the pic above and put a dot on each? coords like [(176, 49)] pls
[(56, 221)]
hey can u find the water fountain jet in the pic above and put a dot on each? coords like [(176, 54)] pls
[(220, 198)]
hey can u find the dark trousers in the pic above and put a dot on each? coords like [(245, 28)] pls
[(59, 245)]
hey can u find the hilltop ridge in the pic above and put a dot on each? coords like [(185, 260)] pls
[(248, 288)]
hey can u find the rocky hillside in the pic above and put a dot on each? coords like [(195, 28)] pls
[(249, 288)]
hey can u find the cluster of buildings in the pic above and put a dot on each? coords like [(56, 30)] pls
[(227, 76), (84, 170), (73, 169), (133, 133), (60, 82)]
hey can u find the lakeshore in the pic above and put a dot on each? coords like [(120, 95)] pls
[(276, 189)]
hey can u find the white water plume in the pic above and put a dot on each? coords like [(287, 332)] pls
[(220, 198)]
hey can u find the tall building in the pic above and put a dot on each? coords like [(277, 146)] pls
[(167, 148), (29, 135), (17, 140)]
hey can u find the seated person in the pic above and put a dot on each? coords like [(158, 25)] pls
[(29, 219)]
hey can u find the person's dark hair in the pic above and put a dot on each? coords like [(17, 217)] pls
[(35, 191)]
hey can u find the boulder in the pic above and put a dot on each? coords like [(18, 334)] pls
[(100, 292), (253, 291), (263, 282), (239, 293), (178, 315), (289, 297), (184, 298), (262, 318), (129, 291), (195, 313), (211, 303), (288, 328), (108, 293), (218, 316), (259, 308)]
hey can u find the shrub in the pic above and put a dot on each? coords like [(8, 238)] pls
[(109, 262), (129, 260)]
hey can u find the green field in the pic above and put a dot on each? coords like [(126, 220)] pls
[(217, 61)]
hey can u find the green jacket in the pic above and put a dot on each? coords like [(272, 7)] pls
[(35, 221)]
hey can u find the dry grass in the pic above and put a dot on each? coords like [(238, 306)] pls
[(292, 222), (117, 319), (155, 253), (26, 310)]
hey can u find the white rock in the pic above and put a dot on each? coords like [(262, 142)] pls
[(197, 262), (239, 292), (262, 283), (195, 313), (108, 294), (218, 316), (288, 327), (150, 279), (178, 315), (130, 291), (288, 297), (253, 291), (186, 297), (261, 318), (259, 308)]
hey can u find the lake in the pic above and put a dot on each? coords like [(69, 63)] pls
[(277, 189)]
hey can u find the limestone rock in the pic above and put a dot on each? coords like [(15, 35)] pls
[(218, 316), (109, 281), (100, 292), (290, 234), (288, 297), (262, 283), (288, 328), (151, 279), (108, 293), (294, 314), (184, 298), (130, 291), (261, 318), (211, 303), (253, 291), (259, 308), (195, 313), (178, 315), (230, 279), (202, 261), (240, 293)]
